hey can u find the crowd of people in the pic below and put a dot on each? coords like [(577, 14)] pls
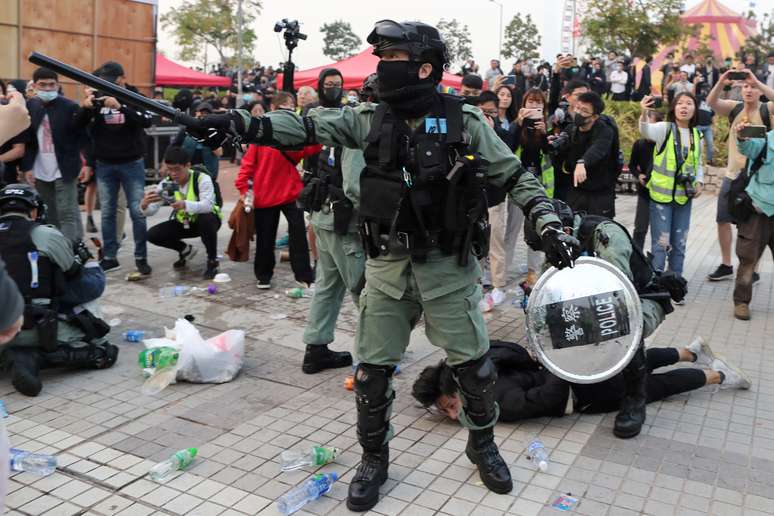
[(369, 180)]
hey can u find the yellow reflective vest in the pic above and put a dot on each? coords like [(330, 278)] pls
[(190, 195), (662, 185)]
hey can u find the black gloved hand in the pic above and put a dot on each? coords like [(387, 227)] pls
[(673, 283), (560, 248), (215, 130)]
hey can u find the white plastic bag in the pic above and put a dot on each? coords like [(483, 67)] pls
[(216, 360)]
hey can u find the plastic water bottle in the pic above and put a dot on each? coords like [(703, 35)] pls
[(317, 456), (158, 358), (537, 453), (180, 460), (299, 292), (174, 291), (249, 197), (134, 335), (486, 304), (35, 463), (310, 490)]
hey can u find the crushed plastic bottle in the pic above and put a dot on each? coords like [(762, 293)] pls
[(180, 460), (486, 304), (35, 463), (163, 361), (536, 451), (134, 335), (318, 456), (174, 291), (249, 197), (299, 292), (310, 490)]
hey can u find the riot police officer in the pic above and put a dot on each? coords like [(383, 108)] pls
[(330, 194), (53, 277), (423, 212), (606, 239)]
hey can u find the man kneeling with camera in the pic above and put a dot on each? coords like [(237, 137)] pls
[(60, 287), (195, 201)]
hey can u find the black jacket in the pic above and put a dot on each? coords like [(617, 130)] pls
[(595, 148), (524, 389), (641, 162), (118, 136), (68, 137)]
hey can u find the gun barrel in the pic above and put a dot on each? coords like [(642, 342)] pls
[(122, 94)]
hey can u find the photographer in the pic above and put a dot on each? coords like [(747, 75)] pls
[(566, 73), (588, 152), (193, 197), (117, 157), (677, 177)]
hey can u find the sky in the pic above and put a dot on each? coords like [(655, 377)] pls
[(481, 16)]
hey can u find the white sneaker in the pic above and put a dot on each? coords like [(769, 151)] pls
[(704, 354), (735, 377), (498, 296)]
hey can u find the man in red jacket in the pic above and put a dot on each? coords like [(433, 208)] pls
[(276, 185)]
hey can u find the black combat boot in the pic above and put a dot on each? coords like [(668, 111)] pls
[(25, 371), (374, 402), (476, 380), (631, 417), (318, 357)]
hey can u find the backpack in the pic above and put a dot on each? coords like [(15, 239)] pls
[(615, 152), (739, 202), (200, 168)]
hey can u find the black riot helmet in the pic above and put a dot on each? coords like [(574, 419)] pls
[(565, 214), (423, 43), (21, 198), (369, 91)]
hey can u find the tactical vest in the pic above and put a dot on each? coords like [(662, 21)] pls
[(546, 173), (192, 194), (642, 272), (22, 258), (420, 188), (669, 164)]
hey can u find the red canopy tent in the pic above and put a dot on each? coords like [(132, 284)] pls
[(169, 73), (354, 70)]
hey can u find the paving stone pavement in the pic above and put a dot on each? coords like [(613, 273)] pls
[(706, 452)]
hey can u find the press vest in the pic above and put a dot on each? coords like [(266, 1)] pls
[(190, 195), (22, 258), (662, 185), (546, 173), (406, 189)]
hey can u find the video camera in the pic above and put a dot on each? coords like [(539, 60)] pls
[(292, 32), (168, 189)]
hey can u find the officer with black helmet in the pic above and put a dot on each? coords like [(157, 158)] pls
[(423, 211), (607, 239), (53, 277)]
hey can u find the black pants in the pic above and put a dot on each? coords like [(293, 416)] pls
[(266, 222), (592, 203), (607, 396), (641, 221), (169, 234)]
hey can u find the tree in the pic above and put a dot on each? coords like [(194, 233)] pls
[(522, 39), (198, 23), (760, 44), (457, 40), (339, 40), (639, 27)]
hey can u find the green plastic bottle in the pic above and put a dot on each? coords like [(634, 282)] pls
[(158, 358), (180, 460)]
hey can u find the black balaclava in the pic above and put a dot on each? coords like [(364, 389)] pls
[(329, 97), (400, 86)]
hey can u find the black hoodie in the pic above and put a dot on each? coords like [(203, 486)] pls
[(327, 72)]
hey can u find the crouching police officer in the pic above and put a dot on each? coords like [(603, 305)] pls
[(606, 239), (331, 192), (59, 286), (423, 212)]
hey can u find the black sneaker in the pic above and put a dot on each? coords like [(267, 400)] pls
[(264, 284), (109, 264), (723, 272), (212, 269), (90, 226), (188, 253), (756, 277), (143, 267)]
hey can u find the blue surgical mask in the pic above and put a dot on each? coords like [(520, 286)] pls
[(47, 96), (247, 98)]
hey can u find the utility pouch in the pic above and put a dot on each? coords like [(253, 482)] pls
[(45, 322)]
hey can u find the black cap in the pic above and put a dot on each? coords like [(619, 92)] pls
[(110, 71)]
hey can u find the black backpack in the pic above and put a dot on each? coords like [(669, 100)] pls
[(201, 169)]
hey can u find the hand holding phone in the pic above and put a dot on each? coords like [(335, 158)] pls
[(736, 75), (752, 131)]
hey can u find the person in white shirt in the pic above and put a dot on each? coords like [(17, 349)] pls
[(618, 79), (196, 212), (689, 67)]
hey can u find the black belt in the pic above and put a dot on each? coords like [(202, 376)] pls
[(409, 239)]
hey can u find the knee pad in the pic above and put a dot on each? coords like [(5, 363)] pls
[(372, 382), (476, 377)]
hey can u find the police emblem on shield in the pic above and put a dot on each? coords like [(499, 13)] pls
[(584, 323)]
